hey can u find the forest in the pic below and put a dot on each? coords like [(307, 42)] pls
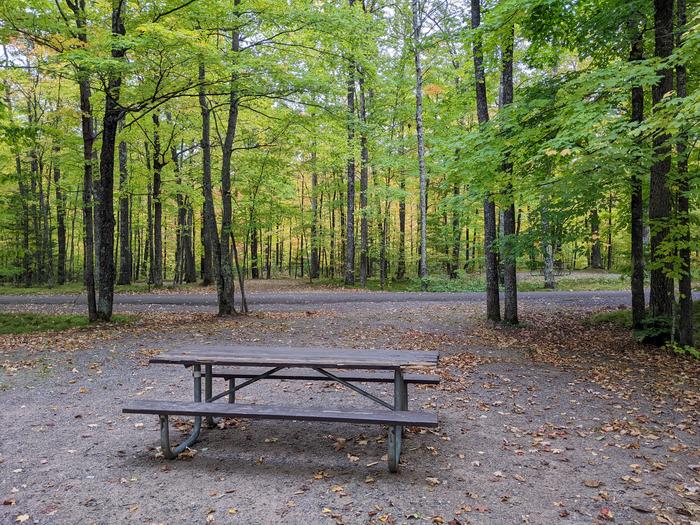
[(362, 142)]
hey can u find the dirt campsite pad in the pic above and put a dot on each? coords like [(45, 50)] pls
[(571, 423)]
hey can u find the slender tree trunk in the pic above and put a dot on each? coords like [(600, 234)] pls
[(210, 227), (252, 228), (158, 163), (510, 275), (596, 254), (548, 251), (493, 308), (661, 297), (226, 298), (350, 219), (401, 263), (423, 200), (364, 174), (88, 136), (609, 254), (685, 290), (315, 242), (190, 266), (124, 230), (105, 205), (60, 224), (637, 199)]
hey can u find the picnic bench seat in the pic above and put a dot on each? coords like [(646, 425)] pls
[(395, 419), (255, 411)]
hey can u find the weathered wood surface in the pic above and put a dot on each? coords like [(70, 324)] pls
[(297, 357), (311, 375), (362, 416)]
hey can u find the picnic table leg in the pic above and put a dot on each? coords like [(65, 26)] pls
[(208, 392), (231, 386), (395, 431), (168, 452)]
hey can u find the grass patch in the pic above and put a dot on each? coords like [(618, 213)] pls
[(467, 282), (623, 319), (24, 323), (78, 288), (577, 284)]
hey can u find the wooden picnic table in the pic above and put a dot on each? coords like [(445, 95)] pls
[(255, 363)]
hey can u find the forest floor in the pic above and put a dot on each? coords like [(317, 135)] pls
[(555, 421)]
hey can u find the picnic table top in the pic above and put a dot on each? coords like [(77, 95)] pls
[(233, 355)]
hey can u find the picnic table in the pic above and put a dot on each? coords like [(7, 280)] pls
[(255, 363)]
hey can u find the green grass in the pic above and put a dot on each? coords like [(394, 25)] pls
[(623, 319), (78, 288), (580, 284), (23, 323), (477, 283)]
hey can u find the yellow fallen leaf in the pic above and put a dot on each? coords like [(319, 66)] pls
[(22, 518), (233, 510)]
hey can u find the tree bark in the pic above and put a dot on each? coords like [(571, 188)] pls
[(364, 176), (423, 201), (88, 135), (685, 289), (105, 205), (60, 224), (661, 296), (210, 226), (315, 241), (226, 298), (510, 276), (350, 219), (596, 253), (493, 308), (637, 199), (124, 231), (158, 163)]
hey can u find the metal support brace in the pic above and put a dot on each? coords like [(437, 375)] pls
[(232, 390), (395, 431), (168, 452), (244, 384), (354, 387), (208, 392)]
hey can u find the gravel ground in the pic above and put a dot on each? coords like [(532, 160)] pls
[(521, 439)]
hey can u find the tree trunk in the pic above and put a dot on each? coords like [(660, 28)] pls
[(226, 298), (105, 205), (661, 297), (60, 224), (315, 243), (124, 233), (350, 219), (158, 163), (423, 201), (685, 290), (637, 199), (252, 228), (596, 254), (364, 174), (510, 275), (401, 263), (493, 308), (88, 136)]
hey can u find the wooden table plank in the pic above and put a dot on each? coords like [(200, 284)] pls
[(297, 357), (341, 415)]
